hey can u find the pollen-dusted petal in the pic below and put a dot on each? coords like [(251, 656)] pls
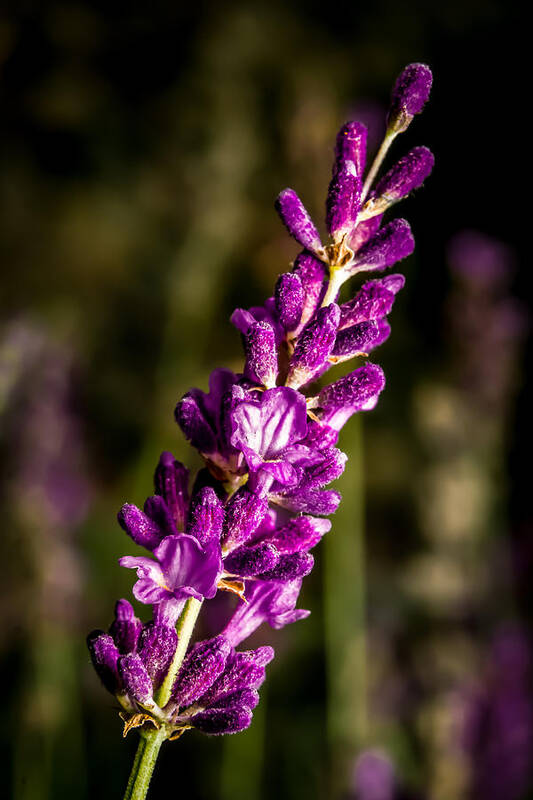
[(297, 220), (143, 530), (245, 698), (410, 92), (244, 670), (314, 346), (126, 627), (355, 340), (104, 656), (372, 302), (289, 297), (171, 481), (244, 513), (329, 469), (249, 561), (352, 393), (351, 145), (312, 273), (200, 669), (157, 645), (309, 501), (206, 516), (392, 243), (290, 567), (216, 722), (407, 174), (261, 354), (343, 200), (382, 335), (364, 231), (299, 534), (135, 678)]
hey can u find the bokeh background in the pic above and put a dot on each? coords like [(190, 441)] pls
[(142, 146)]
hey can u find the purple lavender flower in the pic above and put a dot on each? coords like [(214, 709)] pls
[(343, 201), (289, 295), (406, 175), (391, 244), (409, 95), (297, 221), (351, 145), (313, 347)]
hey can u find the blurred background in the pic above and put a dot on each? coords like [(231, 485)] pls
[(142, 146)]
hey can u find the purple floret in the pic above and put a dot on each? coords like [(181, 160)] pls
[(343, 200), (410, 92), (391, 244), (261, 354), (351, 146), (297, 220), (289, 296), (314, 346), (407, 174)]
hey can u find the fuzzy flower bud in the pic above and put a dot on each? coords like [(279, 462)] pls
[(289, 296), (249, 561), (314, 346), (352, 393), (206, 516), (261, 354), (171, 480), (135, 678), (343, 200), (200, 669), (372, 302), (351, 146), (297, 220), (409, 95), (126, 627), (354, 341), (406, 175), (244, 513), (157, 645), (312, 273), (391, 244)]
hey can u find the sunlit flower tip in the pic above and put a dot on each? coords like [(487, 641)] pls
[(220, 721), (171, 481), (290, 567), (314, 346), (261, 354), (126, 627), (143, 530), (351, 146), (406, 175), (104, 656), (343, 200), (135, 678), (355, 340), (352, 393), (200, 669), (206, 516), (299, 534), (312, 273), (391, 244), (409, 95), (249, 561), (309, 501), (372, 302), (289, 297), (244, 513), (297, 220), (157, 645)]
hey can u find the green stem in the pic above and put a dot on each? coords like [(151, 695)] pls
[(184, 629), (388, 139), (143, 766)]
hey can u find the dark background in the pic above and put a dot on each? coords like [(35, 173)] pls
[(142, 146)]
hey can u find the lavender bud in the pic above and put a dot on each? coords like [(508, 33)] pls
[(343, 200), (244, 670), (194, 426), (289, 296), (216, 722), (351, 145), (261, 354), (329, 469), (373, 301), (312, 273), (391, 244), (144, 531), (352, 393), (300, 533), (200, 669), (249, 561), (313, 346), (289, 567), (135, 678), (296, 219), (157, 510), (171, 481), (245, 698), (126, 627), (354, 341), (364, 231), (382, 335), (409, 95), (244, 513), (310, 501), (406, 175), (206, 516), (104, 655), (157, 645)]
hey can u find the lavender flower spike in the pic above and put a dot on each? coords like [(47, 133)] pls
[(297, 221), (409, 95), (256, 507)]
